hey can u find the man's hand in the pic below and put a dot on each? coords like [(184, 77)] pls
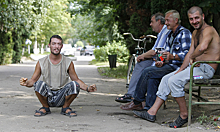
[(92, 88), (140, 58), (23, 81), (159, 63), (166, 55), (191, 61)]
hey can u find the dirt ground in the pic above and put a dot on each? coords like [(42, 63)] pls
[(96, 111)]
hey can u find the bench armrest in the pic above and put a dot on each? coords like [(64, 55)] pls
[(193, 65)]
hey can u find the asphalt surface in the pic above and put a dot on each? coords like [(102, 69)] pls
[(96, 112)]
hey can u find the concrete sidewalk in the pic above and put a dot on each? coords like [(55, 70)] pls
[(97, 112)]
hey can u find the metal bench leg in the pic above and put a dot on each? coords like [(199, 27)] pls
[(199, 93), (190, 96), (165, 105)]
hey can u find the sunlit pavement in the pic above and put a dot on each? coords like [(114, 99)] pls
[(96, 112)]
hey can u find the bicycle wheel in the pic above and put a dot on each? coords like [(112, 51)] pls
[(131, 66)]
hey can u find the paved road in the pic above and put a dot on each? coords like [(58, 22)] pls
[(97, 112)]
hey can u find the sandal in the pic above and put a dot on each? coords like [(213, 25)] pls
[(178, 122), (124, 99), (42, 113), (63, 112)]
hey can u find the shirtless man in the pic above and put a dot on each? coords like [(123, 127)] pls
[(205, 46)]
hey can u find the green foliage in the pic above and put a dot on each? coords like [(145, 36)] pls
[(136, 23), (30, 19), (56, 21), (26, 15), (17, 49), (112, 49), (119, 72), (94, 21), (79, 44), (6, 48), (211, 5), (134, 16), (206, 121), (19, 19)]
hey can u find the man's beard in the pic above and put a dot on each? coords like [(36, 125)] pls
[(200, 25), (55, 53)]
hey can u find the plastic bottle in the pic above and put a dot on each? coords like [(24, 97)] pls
[(198, 77)]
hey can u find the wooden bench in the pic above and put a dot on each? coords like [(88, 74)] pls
[(213, 82)]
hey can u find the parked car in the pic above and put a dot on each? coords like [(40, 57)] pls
[(87, 50), (67, 49)]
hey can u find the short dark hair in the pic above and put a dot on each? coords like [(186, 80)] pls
[(56, 36), (195, 9), (159, 16)]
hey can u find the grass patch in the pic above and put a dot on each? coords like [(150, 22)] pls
[(119, 72), (94, 62), (105, 70)]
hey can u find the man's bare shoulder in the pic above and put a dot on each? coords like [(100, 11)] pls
[(210, 30), (71, 66)]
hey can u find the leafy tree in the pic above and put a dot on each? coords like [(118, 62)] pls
[(79, 44), (94, 22), (33, 19), (20, 18), (6, 47), (134, 15), (56, 21), (212, 12)]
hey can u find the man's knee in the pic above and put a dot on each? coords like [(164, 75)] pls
[(176, 86), (172, 81), (73, 87), (40, 86)]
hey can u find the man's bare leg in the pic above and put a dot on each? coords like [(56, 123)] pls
[(182, 119), (68, 100), (43, 101), (156, 106), (182, 106)]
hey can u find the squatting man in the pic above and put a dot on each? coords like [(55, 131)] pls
[(56, 89)]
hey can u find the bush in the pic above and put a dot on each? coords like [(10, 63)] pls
[(112, 49), (79, 44), (6, 47)]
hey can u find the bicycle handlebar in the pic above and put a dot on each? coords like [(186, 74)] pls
[(142, 37), (151, 36), (133, 37)]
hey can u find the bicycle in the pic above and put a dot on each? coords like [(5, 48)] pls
[(139, 50)]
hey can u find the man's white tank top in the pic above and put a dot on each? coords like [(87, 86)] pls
[(55, 76)]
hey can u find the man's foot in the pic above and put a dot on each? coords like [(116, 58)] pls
[(42, 111), (124, 99), (68, 112), (132, 106), (145, 115), (178, 122)]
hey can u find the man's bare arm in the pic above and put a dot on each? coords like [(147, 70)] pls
[(36, 75), (74, 77), (204, 43), (187, 59), (148, 54)]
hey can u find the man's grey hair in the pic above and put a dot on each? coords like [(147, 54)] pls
[(175, 14), (159, 16)]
